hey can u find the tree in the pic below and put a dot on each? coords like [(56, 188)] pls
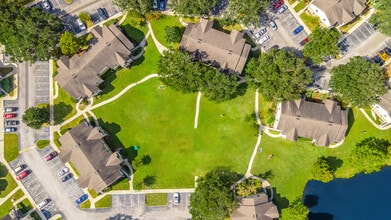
[(296, 210), (213, 198), (369, 155), (359, 82), (173, 34), (322, 170), (246, 12), (322, 42), (193, 8), (248, 187), (35, 117), (141, 6), (279, 75), (69, 44), (28, 33), (86, 18), (381, 18)]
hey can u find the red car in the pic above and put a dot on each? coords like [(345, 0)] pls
[(22, 175), (51, 156), (9, 115), (278, 4)]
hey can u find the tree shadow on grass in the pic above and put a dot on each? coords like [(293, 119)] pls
[(108, 78), (267, 175), (334, 162), (134, 34), (3, 171), (112, 129), (3, 185), (149, 180), (61, 110), (350, 121), (281, 202)]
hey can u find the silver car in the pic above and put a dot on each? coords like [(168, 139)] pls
[(273, 25), (175, 198)]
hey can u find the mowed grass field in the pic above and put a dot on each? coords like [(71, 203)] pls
[(161, 122), (290, 167)]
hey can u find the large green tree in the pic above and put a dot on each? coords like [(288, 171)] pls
[(28, 33), (178, 70), (322, 170), (69, 44), (322, 42), (141, 6), (213, 199), (173, 34), (279, 75), (35, 117), (369, 155), (191, 7), (296, 210), (359, 82), (245, 12), (381, 18)]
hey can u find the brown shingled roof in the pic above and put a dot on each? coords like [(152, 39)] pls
[(84, 146), (325, 122), (255, 207), (340, 12), (230, 51), (79, 75)]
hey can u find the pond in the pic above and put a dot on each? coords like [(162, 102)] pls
[(361, 197)]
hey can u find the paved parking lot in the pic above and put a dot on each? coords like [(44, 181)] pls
[(41, 82), (357, 37)]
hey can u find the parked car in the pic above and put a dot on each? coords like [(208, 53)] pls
[(10, 109), (51, 156), (304, 41), (63, 171), (273, 25), (20, 168), (378, 60), (102, 13), (46, 5), (23, 175), (264, 39), (9, 129), (298, 30), (383, 55), (81, 25), (66, 177), (9, 115), (162, 5), (388, 51), (43, 203), (277, 4), (154, 5), (175, 198), (282, 9), (81, 199), (11, 122), (260, 33)]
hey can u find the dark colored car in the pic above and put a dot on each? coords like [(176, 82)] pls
[(102, 13), (298, 30), (378, 60), (66, 177), (9, 115), (388, 51), (51, 156), (81, 199), (278, 4), (304, 41), (11, 122), (22, 175), (162, 5)]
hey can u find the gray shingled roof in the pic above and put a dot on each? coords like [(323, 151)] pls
[(385, 101), (325, 122), (230, 51), (79, 75), (255, 207), (340, 12), (84, 146)]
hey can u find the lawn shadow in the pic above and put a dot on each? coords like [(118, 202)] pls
[(134, 34), (281, 202), (149, 180), (108, 78), (350, 121), (320, 216), (61, 110), (334, 162), (3, 171), (311, 200), (112, 129), (3, 185), (242, 89), (267, 175)]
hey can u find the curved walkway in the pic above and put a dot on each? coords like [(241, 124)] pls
[(197, 110), (372, 122), (159, 46)]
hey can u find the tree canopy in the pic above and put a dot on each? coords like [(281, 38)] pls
[(173, 34), (141, 6), (192, 8), (296, 210), (359, 82), (213, 198), (322, 170), (369, 155), (248, 187), (381, 17), (178, 70), (35, 117), (322, 42), (245, 12), (279, 75), (28, 33), (68, 44)]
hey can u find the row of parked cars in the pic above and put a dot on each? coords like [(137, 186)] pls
[(159, 4), (10, 113), (382, 56)]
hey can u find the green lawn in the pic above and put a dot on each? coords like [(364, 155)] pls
[(93, 193), (116, 81), (133, 30), (158, 27), (311, 21), (121, 185), (86, 204), (6, 206), (289, 169), (156, 199), (11, 147), (25, 206), (300, 6), (104, 202), (42, 143), (56, 136), (7, 183), (64, 106), (161, 122), (71, 124)]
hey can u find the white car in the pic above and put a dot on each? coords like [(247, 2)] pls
[(273, 25), (63, 171), (43, 203), (46, 4), (264, 39), (260, 32), (175, 198)]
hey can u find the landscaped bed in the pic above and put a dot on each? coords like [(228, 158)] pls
[(311, 21), (156, 199), (104, 202), (7, 182), (42, 143)]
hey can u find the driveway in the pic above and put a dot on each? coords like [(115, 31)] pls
[(350, 42)]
